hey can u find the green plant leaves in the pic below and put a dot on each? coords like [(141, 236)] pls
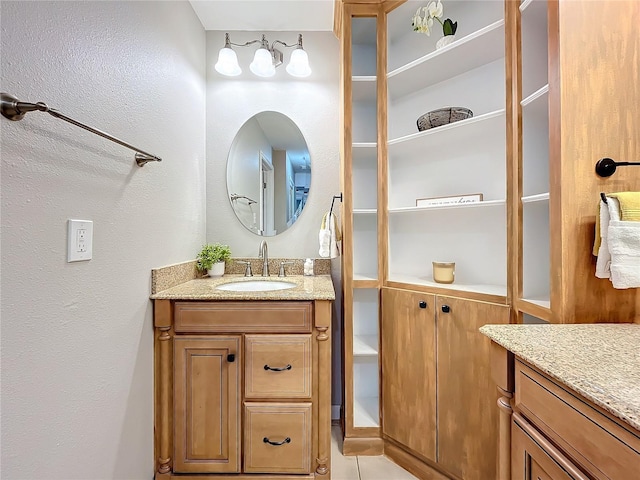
[(449, 27), (212, 253)]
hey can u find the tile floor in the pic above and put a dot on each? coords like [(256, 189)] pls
[(362, 468)]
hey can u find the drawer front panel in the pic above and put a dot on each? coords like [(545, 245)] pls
[(277, 438), (601, 446), (278, 366), (534, 458), (241, 317)]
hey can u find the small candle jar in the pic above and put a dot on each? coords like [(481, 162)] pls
[(444, 272)]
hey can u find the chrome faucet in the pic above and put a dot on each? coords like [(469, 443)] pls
[(264, 254)]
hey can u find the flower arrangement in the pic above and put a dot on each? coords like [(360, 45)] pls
[(422, 21)]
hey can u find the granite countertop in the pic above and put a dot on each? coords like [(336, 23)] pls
[(319, 287), (601, 362)]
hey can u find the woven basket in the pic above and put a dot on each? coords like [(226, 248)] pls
[(442, 116)]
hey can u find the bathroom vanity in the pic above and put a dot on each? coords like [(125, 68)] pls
[(243, 380), (569, 408)]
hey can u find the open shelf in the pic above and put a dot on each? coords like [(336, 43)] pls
[(364, 278), (536, 307), (366, 412), (365, 211), (485, 289), (487, 204), (541, 93), (541, 197), (365, 345), (363, 88), (490, 125), (467, 53)]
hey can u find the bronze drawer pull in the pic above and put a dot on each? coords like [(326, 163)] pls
[(277, 444), (278, 369)]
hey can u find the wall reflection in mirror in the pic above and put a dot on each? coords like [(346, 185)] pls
[(268, 173)]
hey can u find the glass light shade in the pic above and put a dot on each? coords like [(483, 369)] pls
[(262, 64), (299, 64), (228, 63)]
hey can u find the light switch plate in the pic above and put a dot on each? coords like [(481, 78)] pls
[(79, 240)]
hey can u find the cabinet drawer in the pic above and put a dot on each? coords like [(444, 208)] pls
[(534, 458), (278, 366), (601, 446), (277, 437), (289, 317)]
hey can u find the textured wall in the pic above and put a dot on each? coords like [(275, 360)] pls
[(313, 103), (77, 337)]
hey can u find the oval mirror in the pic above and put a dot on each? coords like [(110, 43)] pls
[(268, 173)]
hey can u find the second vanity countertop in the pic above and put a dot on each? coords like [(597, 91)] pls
[(601, 362), (319, 287)]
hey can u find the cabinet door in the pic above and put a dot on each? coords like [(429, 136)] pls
[(534, 458), (467, 413), (409, 370), (206, 404)]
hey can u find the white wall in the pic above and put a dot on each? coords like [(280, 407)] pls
[(313, 103), (77, 370)]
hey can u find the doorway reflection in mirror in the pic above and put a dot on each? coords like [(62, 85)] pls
[(268, 173)]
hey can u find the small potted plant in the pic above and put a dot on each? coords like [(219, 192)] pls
[(422, 22), (212, 258)]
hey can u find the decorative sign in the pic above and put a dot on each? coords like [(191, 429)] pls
[(455, 200)]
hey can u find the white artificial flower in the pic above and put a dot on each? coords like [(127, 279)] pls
[(435, 9)]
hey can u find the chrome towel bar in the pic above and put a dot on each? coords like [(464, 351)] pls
[(15, 110)]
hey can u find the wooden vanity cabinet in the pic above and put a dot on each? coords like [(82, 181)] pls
[(242, 389), (548, 431), (438, 397), (207, 398)]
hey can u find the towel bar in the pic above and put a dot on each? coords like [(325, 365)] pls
[(605, 167), (15, 110)]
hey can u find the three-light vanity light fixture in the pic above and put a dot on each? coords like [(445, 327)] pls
[(265, 60)]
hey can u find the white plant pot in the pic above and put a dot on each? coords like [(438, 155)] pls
[(216, 270), (444, 41)]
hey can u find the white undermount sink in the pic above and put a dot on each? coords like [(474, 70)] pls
[(255, 286)]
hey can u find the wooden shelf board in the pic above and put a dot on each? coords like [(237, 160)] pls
[(369, 283), (489, 203), (465, 54), (540, 197), (365, 345), (494, 293), (452, 133), (538, 307), (366, 412)]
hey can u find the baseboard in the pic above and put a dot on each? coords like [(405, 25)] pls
[(335, 412), (411, 463), (362, 446)]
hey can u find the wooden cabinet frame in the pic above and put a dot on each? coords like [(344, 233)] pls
[(320, 328)]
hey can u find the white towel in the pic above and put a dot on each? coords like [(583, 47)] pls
[(329, 236), (624, 246), (603, 262)]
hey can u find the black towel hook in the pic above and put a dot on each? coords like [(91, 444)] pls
[(333, 200), (605, 167), (604, 198)]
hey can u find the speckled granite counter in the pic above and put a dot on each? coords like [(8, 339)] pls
[(601, 362), (318, 287)]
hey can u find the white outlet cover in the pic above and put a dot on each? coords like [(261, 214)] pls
[(79, 240)]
